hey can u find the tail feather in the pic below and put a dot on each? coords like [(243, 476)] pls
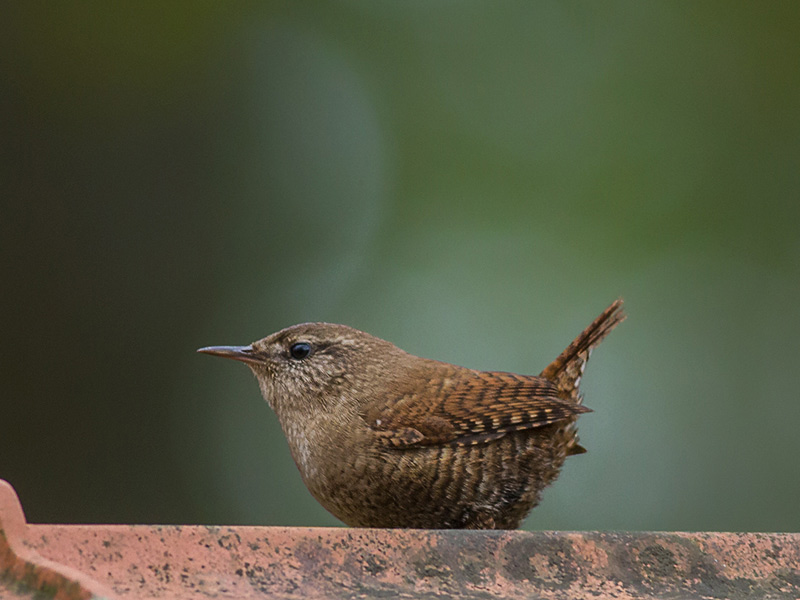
[(567, 369)]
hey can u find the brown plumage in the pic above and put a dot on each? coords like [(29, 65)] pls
[(383, 438)]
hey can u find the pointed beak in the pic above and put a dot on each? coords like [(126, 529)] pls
[(242, 353)]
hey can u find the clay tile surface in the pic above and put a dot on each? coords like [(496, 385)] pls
[(146, 561)]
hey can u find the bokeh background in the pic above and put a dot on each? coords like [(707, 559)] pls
[(474, 181)]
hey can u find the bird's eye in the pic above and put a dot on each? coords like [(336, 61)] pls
[(300, 350)]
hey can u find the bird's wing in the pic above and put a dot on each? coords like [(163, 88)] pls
[(467, 407)]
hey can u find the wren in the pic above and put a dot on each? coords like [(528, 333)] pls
[(383, 438)]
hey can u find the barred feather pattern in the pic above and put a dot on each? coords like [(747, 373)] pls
[(464, 407), (474, 449), (566, 370)]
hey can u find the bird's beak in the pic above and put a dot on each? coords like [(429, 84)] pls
[(243, 353)]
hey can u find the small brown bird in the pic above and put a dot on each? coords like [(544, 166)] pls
[(383, 438)]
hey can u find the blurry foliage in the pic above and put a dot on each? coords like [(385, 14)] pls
[(474, 181)]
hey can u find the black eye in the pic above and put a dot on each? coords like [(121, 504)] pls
[(300, 350)]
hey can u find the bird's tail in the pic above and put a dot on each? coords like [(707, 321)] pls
[(567, 369)]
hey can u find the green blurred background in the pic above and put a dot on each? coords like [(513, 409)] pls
[(473, 181)]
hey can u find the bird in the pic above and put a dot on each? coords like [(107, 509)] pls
[(383, 438)]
